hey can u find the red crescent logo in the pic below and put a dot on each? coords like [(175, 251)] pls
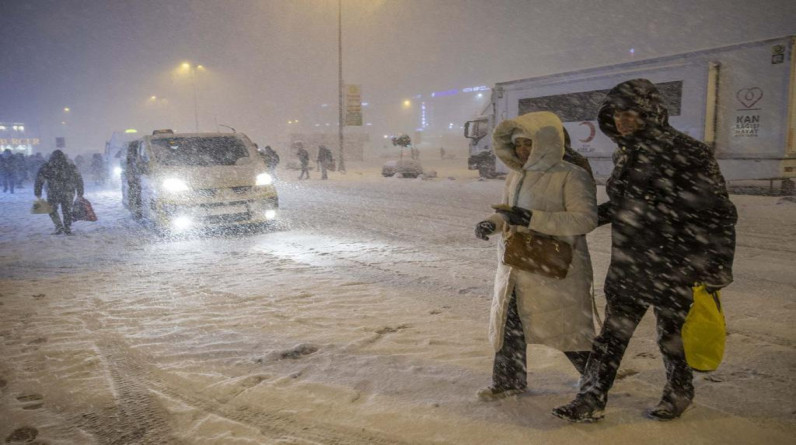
[(592, 131)]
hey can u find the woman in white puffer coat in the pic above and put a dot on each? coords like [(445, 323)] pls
[(549, 196)]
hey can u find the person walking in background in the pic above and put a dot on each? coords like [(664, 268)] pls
[(304, 159), (97, 169), (34, 163), (63, 180), (271, 159), (8, 170), (548, 196), (325, 160), (672, 225), (20, 173)]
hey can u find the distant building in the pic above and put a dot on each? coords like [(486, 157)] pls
[(18, 138)]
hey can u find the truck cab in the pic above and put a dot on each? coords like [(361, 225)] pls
[(481, 157)]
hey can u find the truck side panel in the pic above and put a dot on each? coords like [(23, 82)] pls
[(738, 99)]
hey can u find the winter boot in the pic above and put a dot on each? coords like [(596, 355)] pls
[(585, 408), (669, 408), (491, 393)]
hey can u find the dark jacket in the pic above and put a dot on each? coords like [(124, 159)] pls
[(8, 164), (304, 156), (672, 220), (61, 177), (270, 157), (324, 154)]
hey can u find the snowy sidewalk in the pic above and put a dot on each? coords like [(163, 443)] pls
[(364, 322)]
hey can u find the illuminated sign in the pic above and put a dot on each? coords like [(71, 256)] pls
[(444, 93), (20, 141), (475, 89)]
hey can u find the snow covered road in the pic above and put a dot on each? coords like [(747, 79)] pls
[(363, 320)]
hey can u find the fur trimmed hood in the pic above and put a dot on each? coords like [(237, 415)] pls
[(546, 132)]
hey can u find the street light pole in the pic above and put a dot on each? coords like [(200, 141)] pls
[(195, 100), (340, 122)]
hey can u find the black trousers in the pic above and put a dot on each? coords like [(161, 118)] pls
[(66, 208), (304, 170), (509, 369), (623, 314), (9, 181)]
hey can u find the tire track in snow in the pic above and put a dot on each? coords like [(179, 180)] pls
[(142, 418)]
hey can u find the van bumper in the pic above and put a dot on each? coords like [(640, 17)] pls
[(181, 216)]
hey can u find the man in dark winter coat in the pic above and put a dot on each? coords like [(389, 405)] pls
[(63, 180), (325, 159), (271, 159), (672, 226), (304, 159)]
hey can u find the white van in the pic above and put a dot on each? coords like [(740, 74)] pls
[(178, 182)]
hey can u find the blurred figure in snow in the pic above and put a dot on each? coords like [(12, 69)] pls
[(304, 159), (97, 169), (325, 160), (270, 157), (672, 226), (550, 197), (8, 169), (19, 167), (63, 180)]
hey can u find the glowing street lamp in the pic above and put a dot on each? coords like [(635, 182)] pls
[(192, 71)]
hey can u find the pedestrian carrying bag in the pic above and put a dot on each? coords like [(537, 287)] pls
[(82, 210), (538, 254), (41, 206), (704, 332)]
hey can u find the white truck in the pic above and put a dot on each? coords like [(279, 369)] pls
[(740, 99)]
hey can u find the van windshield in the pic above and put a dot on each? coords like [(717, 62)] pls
[(199, 151)]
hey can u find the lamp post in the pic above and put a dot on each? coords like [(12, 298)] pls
[(340, 122), (192, 70)]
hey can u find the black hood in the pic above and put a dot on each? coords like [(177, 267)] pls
[(639, 95), (58, 158)]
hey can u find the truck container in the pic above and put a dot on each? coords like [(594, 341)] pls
[(738, 99)]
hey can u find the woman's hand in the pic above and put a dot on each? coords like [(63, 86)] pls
[(517, 216)]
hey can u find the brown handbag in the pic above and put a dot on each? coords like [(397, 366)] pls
[(538, 254)]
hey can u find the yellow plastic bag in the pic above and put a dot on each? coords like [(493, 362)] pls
[(704, 332), (41, 206)]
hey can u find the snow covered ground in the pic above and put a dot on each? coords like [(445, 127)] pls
[(362, 321)]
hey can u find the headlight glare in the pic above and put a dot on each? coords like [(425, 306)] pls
[(264, 179), (174, 185)]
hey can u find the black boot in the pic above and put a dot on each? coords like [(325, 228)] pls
[(669, 408), (585, 408)]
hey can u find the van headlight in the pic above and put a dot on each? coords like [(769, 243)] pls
[(182, 223), (264, 179), (174, 185)]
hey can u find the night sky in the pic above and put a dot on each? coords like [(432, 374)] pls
[(267, 61)]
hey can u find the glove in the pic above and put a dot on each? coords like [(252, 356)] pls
[(483, 229), (517, 216)]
